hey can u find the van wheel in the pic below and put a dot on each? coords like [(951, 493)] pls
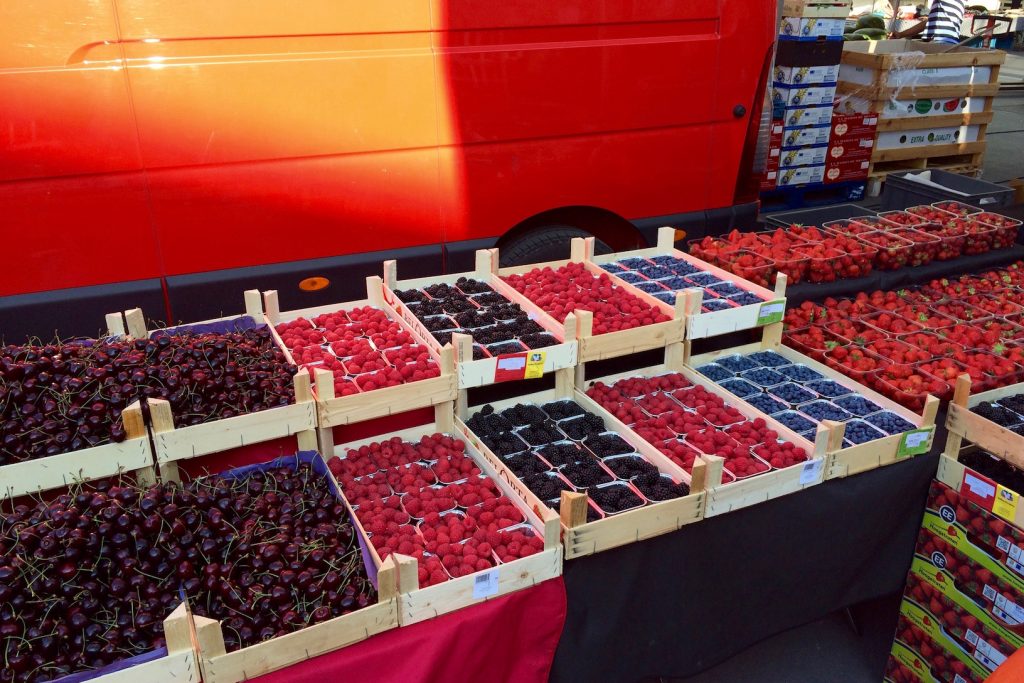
[(549, 243)]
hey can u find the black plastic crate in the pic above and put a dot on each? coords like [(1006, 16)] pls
[(900, 191)]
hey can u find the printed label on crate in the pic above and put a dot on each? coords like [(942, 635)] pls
[(852, 150), (808, 116), (955, 75), (485, 584), (801, 175), (804, 137), (1014, 559), (797, 96), (916, 442), (523, 365), (1005, 608), (946, 135), (842, 170), (803, 27), (811, 471), (771, 312), (978, 488), (853, 126), (802, 157), (1005, 503)]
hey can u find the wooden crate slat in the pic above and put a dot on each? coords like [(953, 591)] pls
[(881, 155), (57, 471), (940, 121)]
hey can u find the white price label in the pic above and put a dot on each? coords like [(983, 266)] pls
[(811, 471), (1011, 549), (486, 584), (917, 439), (979, 487), (990, 593), (1015, 566), (971, 637), (988, 655), (1013, 611)]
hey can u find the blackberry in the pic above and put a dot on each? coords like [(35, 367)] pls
[(493, 334), (560, 410), (559, 454), (506, 311), (1019, 429), (410, 295), (479, 352), (795, 421), (525, 465), (711, 305), (703, 279), (996, 413), (440, 290), (889, 422), (739, 387), (857, 405), (505, 347), (604, 445), (724, 289), (654, 272), (650, 287), (614, 499), (585, 474), (545, 486), (792, 393), (469, 286), (429, 308), (1014, 403), (438, 323), (745, 299), (475, 319), (714, 372), (504, 444), (457, 304), (657, 487), (523, 414), (541, 434), (538, 341), (766, 404), (630, 276), (490, 299), (858, 431), (446, 336), (487, 422), (737, 363), (765, 377), (995, 468), (769, 359), (823, 410), (800, 373), (581, 427), (627, 467), (828, 388)]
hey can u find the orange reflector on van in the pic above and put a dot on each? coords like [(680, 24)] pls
[(314, 284)]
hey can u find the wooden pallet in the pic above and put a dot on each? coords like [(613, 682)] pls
[(611, 344), (842, 462), (417, 604), (580, 537), (475, 373), (698, 325)]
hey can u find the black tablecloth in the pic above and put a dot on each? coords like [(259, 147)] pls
[(680, 603)]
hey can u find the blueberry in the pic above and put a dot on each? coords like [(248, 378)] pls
[(650, 287), (890, 422), (634, 263), (765, 377), (792, 393), (711, 305), (612, 268), (795, 421), (740, 387), (857, 404), (769, 359), (746, 299), (667, 261), (801, 373), (675, 283), (654, 272), (823, 410), (828, 388), (725, 289), (676, 265), (715, 372), (630, 276), (859, 431), (703, 279), (737, 363), (667, 297), (766, 404)]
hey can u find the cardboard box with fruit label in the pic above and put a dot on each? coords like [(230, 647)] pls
[(806, 75), (801, 175), (845, 170), (854, 126), (802, 95), (811, 27), (808, 116), (922, 646), (801, 156), (851, 150)]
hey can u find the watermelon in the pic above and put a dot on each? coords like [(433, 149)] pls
[(871, 21), (872, 33)]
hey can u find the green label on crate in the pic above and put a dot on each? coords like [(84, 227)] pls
[(771, 312), (917, 442)]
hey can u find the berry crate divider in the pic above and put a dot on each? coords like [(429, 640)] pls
[(580, 537), (701, 325), (476, 373), (963, 425), (725, 497), (611, 344), (219, 666), (171, 444), (417, 604), (842, 462), (334, 411)]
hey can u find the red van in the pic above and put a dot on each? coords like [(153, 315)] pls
[(171, 153)]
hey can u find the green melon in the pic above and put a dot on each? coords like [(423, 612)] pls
[(854, 36), (871, 21), (872, 33)]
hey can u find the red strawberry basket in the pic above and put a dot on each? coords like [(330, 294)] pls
[(931, 214), (926, 246), (854, 361), (951, 240), (889, 323), (749, 266), (902, 218), (1005, 229), (958, 208), (893, 252), (907, 385), (859, 257), (824, 262), (848, 227)]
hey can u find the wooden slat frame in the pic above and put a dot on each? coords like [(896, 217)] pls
[(962, 424), (872, 58), (179, 665)]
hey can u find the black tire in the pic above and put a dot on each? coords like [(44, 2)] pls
[(549, 243)]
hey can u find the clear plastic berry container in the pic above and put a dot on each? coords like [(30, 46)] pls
[(989, 370), (851, 227), (933, 344), (854, 332), (859, 259), (893, 252), (927, 317), (957, 208), (854, 361), (930, 214), (908, 392), (926, 246), (902, 218), (1005, 228), (823, 264), (978, 237), (749, 266), (806, 341), (952, 240), (891, 324), (708, 249)]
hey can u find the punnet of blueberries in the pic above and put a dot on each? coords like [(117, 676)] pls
[(710, 305), (745, 299), (724, 289), (654, 272), (825, 410), (737, 363), (740, 387), (703, 279), (828, 388), (650, 287), (792, 393), (612, 267), (857, 405), (890, 422), (764, 377), (634, 263), (766, 404), (714, 372), (800, 373), (676, 282), (795, 421), (769, 359), (631, 277), (858, 431)]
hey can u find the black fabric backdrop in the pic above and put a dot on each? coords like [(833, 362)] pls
[(680, 603)]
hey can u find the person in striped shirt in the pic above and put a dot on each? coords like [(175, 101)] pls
[(943, 24)]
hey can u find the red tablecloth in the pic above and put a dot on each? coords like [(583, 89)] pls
[(512, 638)]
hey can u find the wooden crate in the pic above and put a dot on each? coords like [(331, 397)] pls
[(611, 344), (583, 538), (842, 462), (419, 604), (702, 325), (725, 497), (963, 425), (179, 665), (475, 373), (134, 454), (172, 444), (334, 411)]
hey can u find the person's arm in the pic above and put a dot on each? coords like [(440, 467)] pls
[(915, 30)]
